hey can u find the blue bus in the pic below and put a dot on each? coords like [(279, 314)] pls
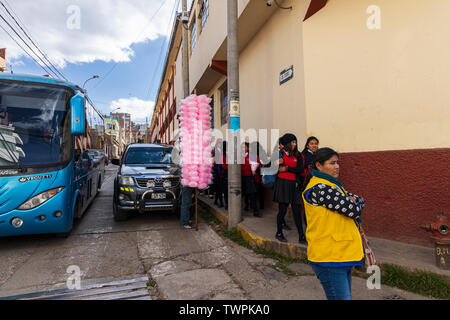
[(47, 177)]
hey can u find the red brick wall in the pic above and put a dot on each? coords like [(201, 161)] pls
[(403, 190)]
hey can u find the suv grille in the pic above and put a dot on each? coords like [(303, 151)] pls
[(142, 182)]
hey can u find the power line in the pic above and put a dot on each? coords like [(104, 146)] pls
[(26, 34), (161, 50), (13, 11), (12, 28), (46, 71), (50, 71), (115, 65), (54, 70)]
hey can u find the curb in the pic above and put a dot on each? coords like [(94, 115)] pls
[(255, 241), (289, 249), (297, 251)]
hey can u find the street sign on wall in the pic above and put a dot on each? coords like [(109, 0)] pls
[(286, 75)]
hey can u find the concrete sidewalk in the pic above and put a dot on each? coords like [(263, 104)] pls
[(261, 232)]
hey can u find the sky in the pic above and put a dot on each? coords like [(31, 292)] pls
[(124, 42)]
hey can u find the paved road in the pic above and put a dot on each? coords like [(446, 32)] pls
[(151, 257), (103, 250)]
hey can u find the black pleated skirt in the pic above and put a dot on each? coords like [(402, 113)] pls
[(286, 191), (248, 185)]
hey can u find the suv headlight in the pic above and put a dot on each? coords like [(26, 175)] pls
[(40, 199), (126, 181), (167, 184)]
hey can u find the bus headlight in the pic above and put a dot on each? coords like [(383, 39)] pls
[(126, 181), (40, 199)]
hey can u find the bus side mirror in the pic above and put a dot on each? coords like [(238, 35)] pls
[(78, 118)]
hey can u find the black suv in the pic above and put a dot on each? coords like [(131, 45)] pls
[(147, 180)]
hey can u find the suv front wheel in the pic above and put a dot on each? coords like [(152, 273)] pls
[(119, 215)]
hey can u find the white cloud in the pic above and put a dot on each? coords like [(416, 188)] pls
[(137, 108), (82, 31), (16, 63)]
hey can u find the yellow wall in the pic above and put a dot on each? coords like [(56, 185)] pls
[(209, 41), (386, 89), (265, 103), (278, 45), (112, 132), (211, 38)]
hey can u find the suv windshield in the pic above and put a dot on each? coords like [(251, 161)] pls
[(94, 153), (148, 155), (34, 124)]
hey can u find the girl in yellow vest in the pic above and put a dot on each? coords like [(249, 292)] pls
[(334, 241)]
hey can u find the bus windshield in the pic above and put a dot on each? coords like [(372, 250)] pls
[(149, 155), (34, 125)]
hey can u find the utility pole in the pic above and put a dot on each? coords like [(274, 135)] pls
[(146, 130), (185, 54), (234, 172)]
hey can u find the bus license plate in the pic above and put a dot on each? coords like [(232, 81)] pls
[(158, 196)]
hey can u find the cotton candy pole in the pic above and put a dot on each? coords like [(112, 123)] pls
[(195, 145)]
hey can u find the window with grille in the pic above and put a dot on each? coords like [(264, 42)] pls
[(204, 12), (223, 103), (193, 35), (212, 112), (174, 109)]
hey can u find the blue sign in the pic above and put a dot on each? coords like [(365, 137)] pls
[(235, 123)]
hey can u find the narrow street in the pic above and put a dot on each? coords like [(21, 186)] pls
[(103, 250), (151, 257), (299, 125)]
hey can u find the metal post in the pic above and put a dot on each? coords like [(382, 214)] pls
[(185, 56), (120, 140), (146, 130), (234, 172), (196, 209)]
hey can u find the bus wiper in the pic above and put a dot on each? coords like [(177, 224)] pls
[(19, 168), (18, 163)]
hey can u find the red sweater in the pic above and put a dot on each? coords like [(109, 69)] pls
[(288, 161), (246, 169), (224, 163)]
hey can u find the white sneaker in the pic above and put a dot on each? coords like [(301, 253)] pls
[(187, 226)]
